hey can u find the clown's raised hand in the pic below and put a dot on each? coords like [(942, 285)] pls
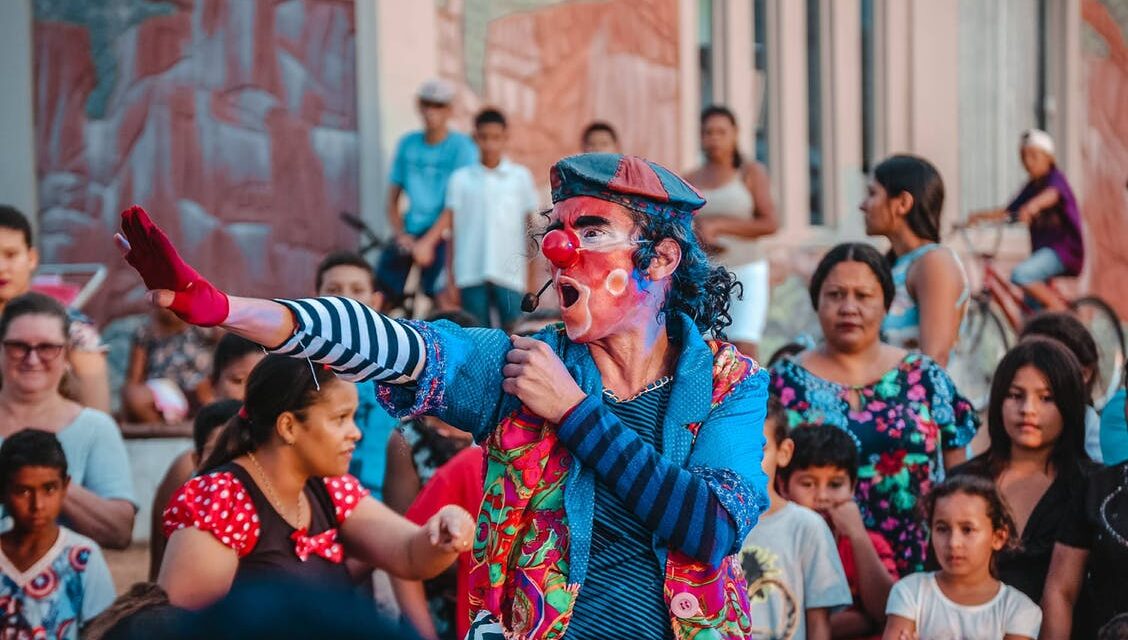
[(172, 282), (534, 373)]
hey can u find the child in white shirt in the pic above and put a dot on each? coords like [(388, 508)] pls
[(970, 523), (794, 574)]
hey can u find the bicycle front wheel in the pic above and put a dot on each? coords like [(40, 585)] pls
[(982, 344), (1105, 327)]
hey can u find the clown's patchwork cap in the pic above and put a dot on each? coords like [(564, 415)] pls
[(630, 181)]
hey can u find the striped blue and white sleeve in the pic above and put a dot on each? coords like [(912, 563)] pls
[(356, 342)]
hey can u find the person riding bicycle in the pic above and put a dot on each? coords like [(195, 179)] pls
[(1047, 204)]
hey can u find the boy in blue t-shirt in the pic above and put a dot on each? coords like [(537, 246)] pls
[(52, 580), (423, 163), (347, 274)]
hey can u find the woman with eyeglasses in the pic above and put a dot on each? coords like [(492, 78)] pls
[(33, 350)]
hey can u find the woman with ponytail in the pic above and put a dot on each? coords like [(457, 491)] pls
[(903, 203), (274, 496), (738, 210)]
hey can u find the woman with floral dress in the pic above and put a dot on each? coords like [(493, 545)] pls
[(902, 410)]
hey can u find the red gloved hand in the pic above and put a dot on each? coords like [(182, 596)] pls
[(195, 299)]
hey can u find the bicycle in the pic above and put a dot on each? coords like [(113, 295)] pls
[(409, 304), (995, 315)]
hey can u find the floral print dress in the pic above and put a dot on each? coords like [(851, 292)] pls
[(900, 424)]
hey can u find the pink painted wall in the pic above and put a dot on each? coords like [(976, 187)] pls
[(554, 66), (233, 122), (1104, 205)]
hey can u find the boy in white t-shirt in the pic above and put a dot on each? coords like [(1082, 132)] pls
[(490, 204), (794, 574)]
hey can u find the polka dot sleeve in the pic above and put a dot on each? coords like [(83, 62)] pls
[(346, 493), (219, 504)]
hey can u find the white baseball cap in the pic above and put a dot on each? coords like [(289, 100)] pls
[(1039, 140), (437, 91)]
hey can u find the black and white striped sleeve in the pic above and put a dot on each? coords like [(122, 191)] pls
[(354, 341)]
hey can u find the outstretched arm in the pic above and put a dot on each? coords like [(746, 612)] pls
[(355, 341)]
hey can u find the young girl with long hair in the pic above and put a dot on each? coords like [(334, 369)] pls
[(1037, 460)]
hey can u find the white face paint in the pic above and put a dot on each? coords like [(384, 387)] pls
[(616, 283), (580, 310)]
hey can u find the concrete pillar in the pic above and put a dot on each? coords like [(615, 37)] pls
[(787, 64), (689, 88), (917, 85), (842, 108), (933, 84), (373, 147), (397, 50), (17, 124), (736, 39)]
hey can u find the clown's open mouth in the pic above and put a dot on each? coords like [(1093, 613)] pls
[(568, 295)]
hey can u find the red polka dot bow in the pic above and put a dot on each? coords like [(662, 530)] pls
[(323, 544)]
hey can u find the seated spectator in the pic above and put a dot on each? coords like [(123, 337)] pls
[(821, 475), (906, 416), (205, 429), (1068, 330), (347, 274), (52, 580), (89, 372), (795, 578), (970, 524), (491, 204), (599, 137), (1036, 418), (440, 613), (168, 367), (99, 503), (275, 500), (232, 362)]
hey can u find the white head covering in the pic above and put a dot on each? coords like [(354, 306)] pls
[(1039, 140), (437, 91)]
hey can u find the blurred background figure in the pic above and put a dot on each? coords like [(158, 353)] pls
[(738, 210), (491, 205), (169, 362), (422, 166), (903, 203), (87, 355), (599, 137), (1047, 205)]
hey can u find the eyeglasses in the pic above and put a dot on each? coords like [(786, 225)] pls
[(21, 350)]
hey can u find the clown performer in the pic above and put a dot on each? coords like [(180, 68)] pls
[(623, 448)]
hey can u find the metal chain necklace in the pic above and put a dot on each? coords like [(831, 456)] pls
[(274, 497), (1104, 513)]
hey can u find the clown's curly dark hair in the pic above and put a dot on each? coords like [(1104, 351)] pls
[(699, 289)]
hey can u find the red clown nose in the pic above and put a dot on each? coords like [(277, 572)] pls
[(562, 248)]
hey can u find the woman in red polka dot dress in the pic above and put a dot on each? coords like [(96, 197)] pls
[(275, 497)]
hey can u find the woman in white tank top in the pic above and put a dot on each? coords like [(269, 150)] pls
[(738, 210)]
